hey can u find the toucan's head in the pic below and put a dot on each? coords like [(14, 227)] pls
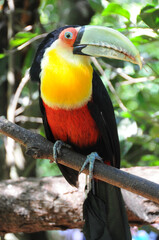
[(99, 41), (94, 41)]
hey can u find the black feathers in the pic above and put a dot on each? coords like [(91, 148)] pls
[(102, 111)]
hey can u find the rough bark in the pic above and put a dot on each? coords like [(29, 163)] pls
[(141, 210), (32, 205)]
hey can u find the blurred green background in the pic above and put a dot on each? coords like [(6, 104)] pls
[(134, 92)]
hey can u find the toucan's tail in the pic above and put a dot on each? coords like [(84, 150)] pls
[(104, 214)]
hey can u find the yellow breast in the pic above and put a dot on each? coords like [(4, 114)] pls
[(66, 79)]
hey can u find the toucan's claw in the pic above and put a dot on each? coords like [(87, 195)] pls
[(91, 161), (57, 148)]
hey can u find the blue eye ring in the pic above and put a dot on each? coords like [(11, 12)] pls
[(68, 35)]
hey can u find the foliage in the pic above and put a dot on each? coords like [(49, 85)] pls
[(139, 124), (138, 90)]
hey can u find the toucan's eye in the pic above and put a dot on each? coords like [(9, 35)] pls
[(68, 35)]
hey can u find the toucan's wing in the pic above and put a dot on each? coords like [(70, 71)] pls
[(70, 174), (102, 111), (104, 211)]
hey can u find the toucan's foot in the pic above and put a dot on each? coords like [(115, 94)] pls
[(57, 148), (91, 160)]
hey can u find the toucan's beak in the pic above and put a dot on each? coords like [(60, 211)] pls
[(99, 41)]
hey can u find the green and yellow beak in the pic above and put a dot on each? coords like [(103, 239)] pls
[(99, 41)]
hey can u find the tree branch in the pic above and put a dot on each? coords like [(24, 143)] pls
[(33, 205), (39, 147), (40, 204)]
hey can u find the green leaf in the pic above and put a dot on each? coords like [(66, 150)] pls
[(126, 115), (150, 16), (154, 132), (21, 38), (2, 55), (114, 8), (96, 5), (155, 2), (149, 160), (143, 39), (44, 168)]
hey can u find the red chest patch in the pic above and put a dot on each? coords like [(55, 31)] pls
[(76, 126)]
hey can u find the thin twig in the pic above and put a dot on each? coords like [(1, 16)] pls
[(129, 80), (24, 45), (112, 89), (13, 105), (9, 143), (23, 118), (19, 110), (10, 74), (31, 41)]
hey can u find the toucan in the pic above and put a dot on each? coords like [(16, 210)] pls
[(77, 110)]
